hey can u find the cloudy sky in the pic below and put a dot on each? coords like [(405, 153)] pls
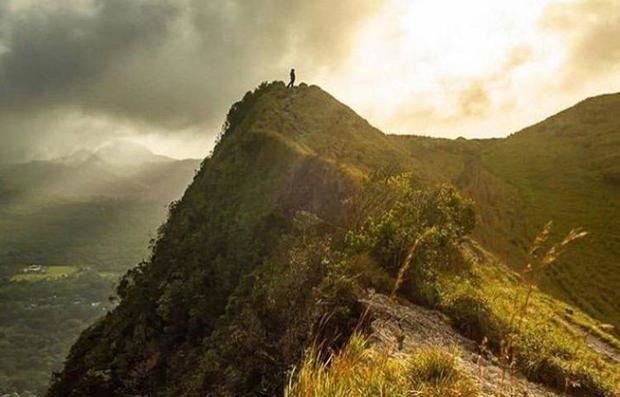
[(78, 73)]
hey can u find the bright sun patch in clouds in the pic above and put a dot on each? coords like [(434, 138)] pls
[(479, 68)]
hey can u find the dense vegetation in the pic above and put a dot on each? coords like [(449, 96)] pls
[(415, 238), (301, 208), (40, 320)]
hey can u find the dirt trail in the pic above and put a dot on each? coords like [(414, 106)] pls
[(594, 342), (421, 327)]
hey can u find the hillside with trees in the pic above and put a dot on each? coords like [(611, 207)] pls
[(309, 238)]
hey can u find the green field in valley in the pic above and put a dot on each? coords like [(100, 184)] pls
[(50, 273)]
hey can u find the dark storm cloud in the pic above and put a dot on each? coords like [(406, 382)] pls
[(57, 53), (170, 63), (52, 57), (50, 134)]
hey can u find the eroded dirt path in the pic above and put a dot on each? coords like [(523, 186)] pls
[(594, 342), (414, 327)]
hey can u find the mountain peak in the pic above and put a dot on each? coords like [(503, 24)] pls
[(124, 152), (312, 122), (120, 152), (292, 112)]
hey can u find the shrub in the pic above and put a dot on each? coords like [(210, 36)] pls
[(417, 236), (409, 226)]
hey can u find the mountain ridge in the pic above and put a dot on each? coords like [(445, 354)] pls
[(276, 235)]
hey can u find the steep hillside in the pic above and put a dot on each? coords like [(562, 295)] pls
[(227, 223), (301, 210), (565, 170)]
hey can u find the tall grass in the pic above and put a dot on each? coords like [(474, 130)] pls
[(540, 258), (358, 370), (361, 371), (539, 261), (516, 348), (526, 328), (520, 324), (406, 265)]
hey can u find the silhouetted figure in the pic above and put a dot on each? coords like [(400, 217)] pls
[(291, 83)]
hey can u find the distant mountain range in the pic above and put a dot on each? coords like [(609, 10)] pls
[(91, 208)]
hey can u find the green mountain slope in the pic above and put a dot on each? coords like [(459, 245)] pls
[(565, 170), (302, 208)]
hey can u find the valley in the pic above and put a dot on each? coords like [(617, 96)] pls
[(69, 229)]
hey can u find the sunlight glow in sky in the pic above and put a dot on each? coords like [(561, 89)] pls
[(77, 74), (480, 68)]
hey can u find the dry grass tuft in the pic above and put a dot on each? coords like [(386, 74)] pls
[(406, 265), (361, 371), (434, 373)]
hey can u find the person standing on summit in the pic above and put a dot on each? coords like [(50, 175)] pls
[(291, 83)]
